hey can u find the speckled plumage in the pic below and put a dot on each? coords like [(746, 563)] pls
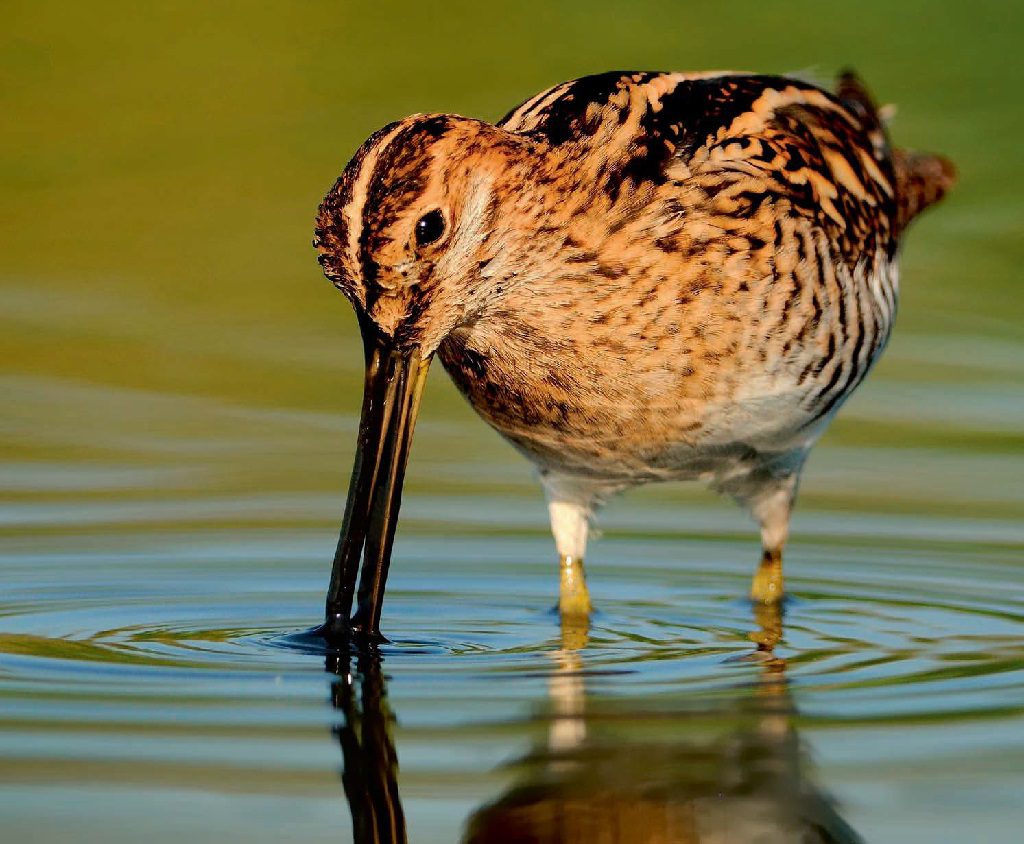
[(643, 276)]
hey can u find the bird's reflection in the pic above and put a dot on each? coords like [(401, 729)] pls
[(727, 769)]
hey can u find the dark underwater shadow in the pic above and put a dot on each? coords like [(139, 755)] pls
[(725, 769)]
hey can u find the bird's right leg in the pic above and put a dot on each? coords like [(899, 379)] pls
[(571, 503)]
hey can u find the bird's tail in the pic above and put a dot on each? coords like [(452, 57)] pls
[(922, 178)]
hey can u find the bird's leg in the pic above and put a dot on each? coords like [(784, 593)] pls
[(772, 507), (569, 524), (767, 587)]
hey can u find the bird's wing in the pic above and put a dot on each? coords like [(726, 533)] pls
[(756, 137)]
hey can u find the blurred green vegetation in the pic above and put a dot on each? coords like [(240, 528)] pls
[(161, 165), (161, 162)]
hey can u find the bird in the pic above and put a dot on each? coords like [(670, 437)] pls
[(633, 276)]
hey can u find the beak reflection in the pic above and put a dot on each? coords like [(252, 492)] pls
[(370, 775), (391, 396)]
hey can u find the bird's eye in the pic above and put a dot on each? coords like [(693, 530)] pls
[(429, 227)]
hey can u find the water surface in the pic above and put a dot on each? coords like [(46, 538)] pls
[(151, 684)]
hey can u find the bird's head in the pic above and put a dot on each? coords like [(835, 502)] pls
[(426, 227), (419, 230)]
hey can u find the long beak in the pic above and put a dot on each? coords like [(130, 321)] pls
[(391, 398)]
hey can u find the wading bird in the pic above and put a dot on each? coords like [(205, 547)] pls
[(633, 277)]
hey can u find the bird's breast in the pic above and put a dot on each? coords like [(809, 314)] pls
[(657, 385), (620, 404)]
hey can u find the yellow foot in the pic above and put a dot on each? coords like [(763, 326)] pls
[(767, 586), (573, 597)]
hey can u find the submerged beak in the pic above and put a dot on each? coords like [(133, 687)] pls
[(391, 398)]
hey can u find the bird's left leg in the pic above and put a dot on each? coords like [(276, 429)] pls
[(772, 506), (570, 524)]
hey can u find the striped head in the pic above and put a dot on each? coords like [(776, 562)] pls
[(411, 231), (420, 234)]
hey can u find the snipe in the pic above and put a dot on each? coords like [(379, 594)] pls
[(633, 277)]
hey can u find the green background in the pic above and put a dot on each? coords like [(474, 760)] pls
[(161, 162)]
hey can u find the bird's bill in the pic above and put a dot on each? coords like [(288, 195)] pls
[(391, 397)]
